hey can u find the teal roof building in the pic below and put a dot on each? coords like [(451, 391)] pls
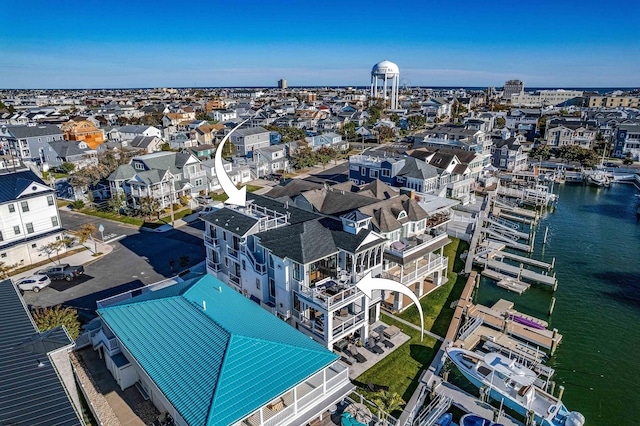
[(216, 356)]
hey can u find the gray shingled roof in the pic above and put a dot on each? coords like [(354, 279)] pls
[(66, 149), (231, 220), (30, 391), (126, 171), (418, 169), (304, 242), (13, 184), (20, 132)]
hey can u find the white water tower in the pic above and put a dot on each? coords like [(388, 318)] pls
[(382, 73)]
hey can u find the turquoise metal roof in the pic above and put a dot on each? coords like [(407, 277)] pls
[(215, 366)]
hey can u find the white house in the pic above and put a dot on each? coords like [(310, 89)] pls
[(29, 218)]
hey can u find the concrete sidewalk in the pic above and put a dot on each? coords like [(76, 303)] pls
[(82, 258)]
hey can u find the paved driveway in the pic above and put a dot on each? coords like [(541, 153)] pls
[(139, 258)]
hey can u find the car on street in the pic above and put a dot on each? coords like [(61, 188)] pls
[(204, 199), (63, 272), (611, 164), (33, 283)]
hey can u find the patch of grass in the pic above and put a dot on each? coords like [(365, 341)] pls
[(402, 368), (223, 197), (63, 203), (176, 215), (114, 216)]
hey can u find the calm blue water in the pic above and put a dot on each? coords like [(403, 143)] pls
[(594, 234)]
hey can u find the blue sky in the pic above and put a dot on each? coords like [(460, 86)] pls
[(72, 44)]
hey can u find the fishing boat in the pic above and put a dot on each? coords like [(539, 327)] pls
[(513, 385), (474, 420), (598, 179)]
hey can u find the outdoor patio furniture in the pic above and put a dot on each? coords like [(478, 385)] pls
[(387, 344), (390, 332), (373, 347)]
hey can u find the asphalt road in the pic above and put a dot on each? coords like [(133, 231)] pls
[(139, 258)]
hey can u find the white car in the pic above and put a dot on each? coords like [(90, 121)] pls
[(34, 283)]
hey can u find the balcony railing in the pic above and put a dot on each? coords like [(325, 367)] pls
[(212, 265), (320, 294), (232, 252), (349, 324), (414, 244), (211, 241), (409, 277), (258, 267)]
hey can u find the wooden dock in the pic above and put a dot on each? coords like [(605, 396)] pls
[(519, 272), (506, 282), (525, 260)]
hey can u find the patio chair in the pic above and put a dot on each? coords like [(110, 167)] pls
[(376, 388), (387, 344)]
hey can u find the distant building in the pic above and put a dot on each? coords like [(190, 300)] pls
[(248, 139), (83, 130), (282, 83), (627, 141), (614, 101), (29, 143), (512, 87)]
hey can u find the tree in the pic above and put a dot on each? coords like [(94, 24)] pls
[(325, 154), (153, 119), (304, 157), (288, 133), (5, 269), (375, 112), (349, 130), (148, 207), (628, 160), (542, 152), (387, 401), (203, 116), (501, 122), (86, 232), (8, 108), (385, 133), (68, 167), (116, 202), (457, 111), (416, 121), (108, 162), (585, 156), (395, 118), (55, 247), (48, 318)]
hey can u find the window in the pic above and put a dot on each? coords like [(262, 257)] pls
[(29, 228), (54, 220), (12, 208), (258, 283), (272, 288), (1, 237), (363, 171), (16, 230), (297, 271), (373, 173), (25, 206), (386, 173), (50, 200), (244, 265)]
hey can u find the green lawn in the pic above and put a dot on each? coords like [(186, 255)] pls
[(223, 196), (136, 221), (401, 370)]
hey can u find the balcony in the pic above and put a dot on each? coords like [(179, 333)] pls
[(233, 253), (211, 241), (418, 270), (347, 323), (413, 245), (259, 267), (331, 293), (213, 266)]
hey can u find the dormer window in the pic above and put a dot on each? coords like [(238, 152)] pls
[(402, 214), (138, 166)]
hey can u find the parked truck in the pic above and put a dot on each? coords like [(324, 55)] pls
[(63, 272)]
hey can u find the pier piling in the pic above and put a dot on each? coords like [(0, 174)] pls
[(546, 232), (560, 391), (552, 305)]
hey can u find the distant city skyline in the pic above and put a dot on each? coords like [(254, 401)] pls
[(115, 44)]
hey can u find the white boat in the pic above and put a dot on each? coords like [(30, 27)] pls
[(598, 179), (513, 385)]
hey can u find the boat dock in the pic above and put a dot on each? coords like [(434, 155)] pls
[(520, 272), (525, 260), (506, 282)]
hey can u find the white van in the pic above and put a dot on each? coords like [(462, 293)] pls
[(210, 208)]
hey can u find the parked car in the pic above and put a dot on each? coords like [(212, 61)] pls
[(33, 283), (204, 199), (214, 206), (610, 164), (63, 272)]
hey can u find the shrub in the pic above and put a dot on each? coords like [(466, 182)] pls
[(77, 204), (48, 318)]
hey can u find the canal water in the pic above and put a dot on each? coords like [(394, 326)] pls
[(594, 235)]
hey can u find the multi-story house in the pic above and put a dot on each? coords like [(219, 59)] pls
[(248, 139), (328, 140), (299, 265), (205, 355), (77, 153), (454, 137), (271, 159), (131, 131), (30, 218), (507, 154), (177, 118), (206, 135), (223, 115), (83, 130), (412, 248), (627, 141), (164, 176), (28, 143), (564, 132)]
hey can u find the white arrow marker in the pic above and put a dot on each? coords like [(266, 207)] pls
[(367, 284), (237, 197)]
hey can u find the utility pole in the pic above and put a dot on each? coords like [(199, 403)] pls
[(171, 197)]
